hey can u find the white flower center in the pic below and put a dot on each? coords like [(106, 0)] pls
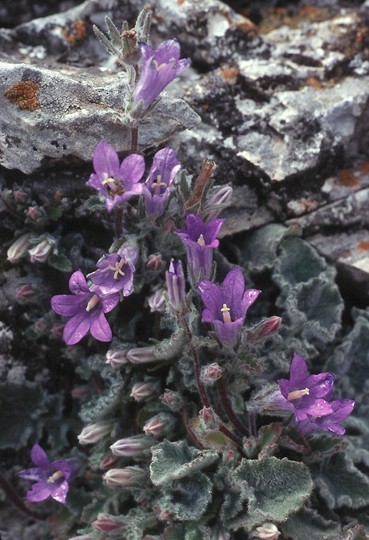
[(158, 184), (117, 268), (114, 186), (226, 313), (201, 240), (92, 302), (55, 477)]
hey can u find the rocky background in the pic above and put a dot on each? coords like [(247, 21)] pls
[(277, 95), (282, 90)]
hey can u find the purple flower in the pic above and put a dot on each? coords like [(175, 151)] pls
[(116, 182), (199, 240), (308, 397), (86, 310), (115, 272), (227, 305), (51, 478), (156, 188), (158, 69)]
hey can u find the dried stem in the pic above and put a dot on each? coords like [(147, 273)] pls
[(18, 503), (207, 169), (228, 409)]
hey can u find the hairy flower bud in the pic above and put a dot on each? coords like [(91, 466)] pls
[(218, 201), (108, 461), (127, 477), (142, 355), (211, 373), (172, 399), (117, 357), (157, 301), (26, 291), (176, 284), (159, 425), (106, 523), (94, 433), (18, 248), (144, 389), (209, 419), (41, 251), (132, 446), (268, 531), (36, 214), (154, 261), (265, 328)]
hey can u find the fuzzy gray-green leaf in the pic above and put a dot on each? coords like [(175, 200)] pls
[(174, 460)]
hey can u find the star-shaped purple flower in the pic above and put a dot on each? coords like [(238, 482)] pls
[(199, 240), (158, 69), (116, 182), (86, 309), (51, 477), (156, 189), (227, 305), (309, 398), (115, 272)]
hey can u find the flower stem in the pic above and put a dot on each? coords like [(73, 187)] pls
[(134, 140), (18, 503), (189, 431), (228, 409)]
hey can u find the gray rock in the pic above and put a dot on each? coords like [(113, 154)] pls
[(59, 115)]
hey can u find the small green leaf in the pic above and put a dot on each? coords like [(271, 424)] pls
[(60, 262), (307, 524), (187, 498)]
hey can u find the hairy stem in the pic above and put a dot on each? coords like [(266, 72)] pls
[(228, 409)]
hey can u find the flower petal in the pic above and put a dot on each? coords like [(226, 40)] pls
[(131, 170), (38, 456), (59, 493), (100, 328), (39, 492), (77, 327), (105, 160)]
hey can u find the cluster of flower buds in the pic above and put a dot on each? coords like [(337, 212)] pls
[(211, 373)]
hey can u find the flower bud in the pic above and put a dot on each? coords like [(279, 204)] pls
[(144, 389), (26, 291), (57, 330), (93, 433), (154, 261), (127, 477), (21, 197), (106, 523), (157, 301), (268, 531), (18, 248), (211, 373), (142, 355), (79, 392), (108, 461), (176, 284), (82, 537), (209, 419), (172, 399), (218, 201), (159, 425), (265, 328), (117, 358), (36, 214), (41, 251), (132, 446)]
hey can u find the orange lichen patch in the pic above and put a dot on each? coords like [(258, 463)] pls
[(75, 32), (364, 245), (346, 178), (313, 82), (25, 94), (247, 26), (364, 167), (180, 2), (230, 75)]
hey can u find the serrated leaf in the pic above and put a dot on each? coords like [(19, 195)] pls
[(187, 532), (21, 406), (273, 489), (307, 524), (259, 250), (174, 460), (187, 498), (341, 484)]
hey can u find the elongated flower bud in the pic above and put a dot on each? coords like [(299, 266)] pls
[(117, 358), (127, 477), (41, 251), (132, 446), (218, 201), (18, 248), (268, 531), (159, 425), (142, 355), (157, 301), (144, 389), (106, 523), (176, 284), (264, 329), (94, 433)]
